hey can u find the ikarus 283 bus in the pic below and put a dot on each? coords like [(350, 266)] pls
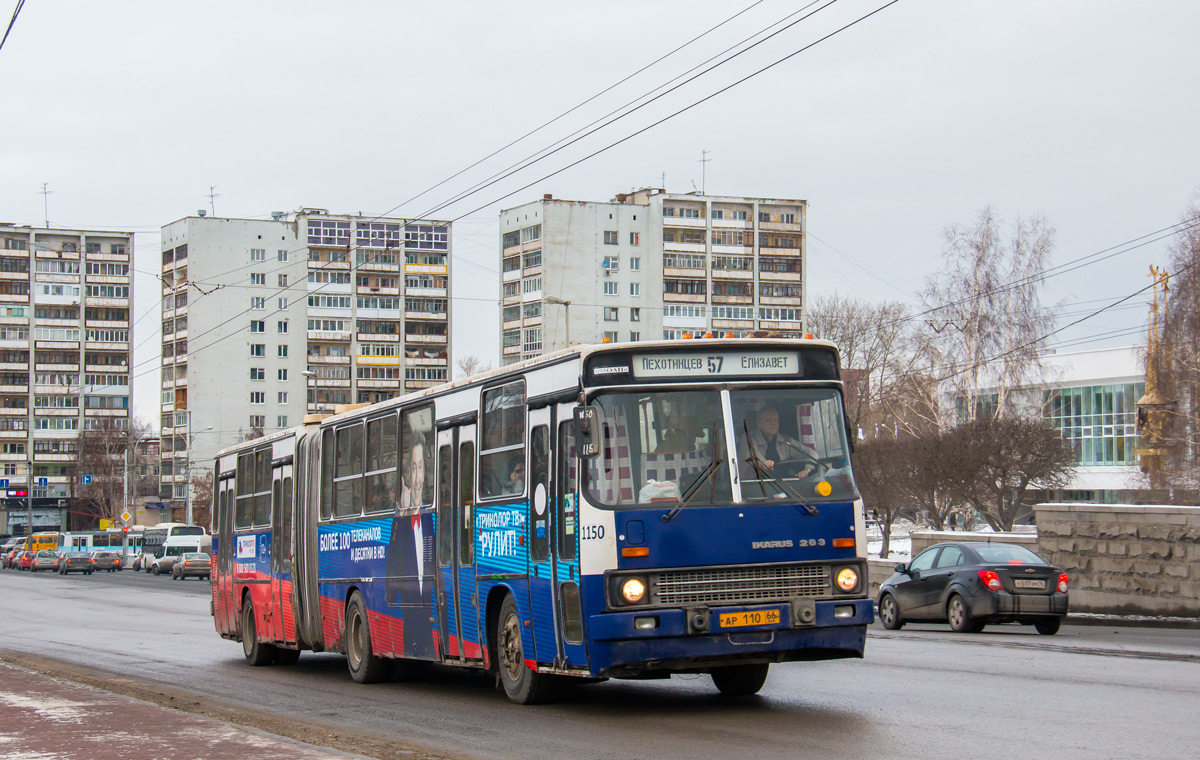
[(616, 511)]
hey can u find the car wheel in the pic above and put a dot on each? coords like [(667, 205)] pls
[(365, 666), (1049, 626), (889, 613), (256, 652), (89, 572), (286, 656), (154, 570), (740, 680), (959, 616), (521, 684)]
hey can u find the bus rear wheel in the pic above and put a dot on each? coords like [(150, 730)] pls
[(522, 685), (365, 666), (256, 652), (740, 680)]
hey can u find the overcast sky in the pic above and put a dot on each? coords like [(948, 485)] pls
[(911, 120)]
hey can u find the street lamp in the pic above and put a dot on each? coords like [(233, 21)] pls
[(566, 313), (187, 481)]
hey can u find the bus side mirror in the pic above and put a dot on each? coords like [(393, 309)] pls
[(587, 423)]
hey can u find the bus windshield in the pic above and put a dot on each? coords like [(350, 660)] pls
[(658, 446)]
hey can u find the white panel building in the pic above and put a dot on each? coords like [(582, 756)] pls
[(648, 265), (65, 299), (265, 321)]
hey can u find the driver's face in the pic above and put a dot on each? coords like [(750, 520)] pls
[(768, 422)]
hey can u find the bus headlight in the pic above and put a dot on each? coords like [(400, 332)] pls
[(633, 590), (847, 579)]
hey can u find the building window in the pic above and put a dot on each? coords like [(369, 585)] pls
[(281, 326), (763, 216), (610, 237), (533, 259), (258, 303), (533, 339), (635, 289), (635, 314), (283, 303), (787, 218), (511, 264), (258, 397), (533, 309), (511, 338), (281, 421), (717, 213), (634, 238), (258, 421), (610, 288), (511, 238), (635, 263), (611, 263), (283, 352), (281, 375), (668, 211), (689, 213), (610, 336), (282, 397), (258, 254), (529, 234), (611, 314), (739, 215), (635, 336), (532, 284), (281, 280), (258, 349), (281, 255), (258, 278), (258, 325)]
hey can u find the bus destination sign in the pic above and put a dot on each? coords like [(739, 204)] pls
[(723, 364)]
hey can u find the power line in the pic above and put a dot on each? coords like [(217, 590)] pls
[(13, 20)]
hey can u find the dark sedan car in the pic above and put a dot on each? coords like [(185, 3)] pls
[(972, 583), (76, 562), (110, 561)]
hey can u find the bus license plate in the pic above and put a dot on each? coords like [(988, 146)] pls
[(753, 617)]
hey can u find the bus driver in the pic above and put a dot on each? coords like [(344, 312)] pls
[(773, 447)]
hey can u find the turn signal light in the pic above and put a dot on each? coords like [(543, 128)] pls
[(990, 580), (843, 543), (635, 551), (1062, 582)]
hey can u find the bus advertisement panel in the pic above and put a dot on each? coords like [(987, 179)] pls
[(617, 511)]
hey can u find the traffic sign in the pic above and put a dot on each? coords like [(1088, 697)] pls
[(125, 516), (43, 482), (87, 480), (3, 482)]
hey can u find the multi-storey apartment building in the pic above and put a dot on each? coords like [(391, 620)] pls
[(267, 320), (65, 299), (648, 265)]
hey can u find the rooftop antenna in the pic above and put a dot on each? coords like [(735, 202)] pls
[(704, 159), (212, 197), (46, 201), (664, 180)]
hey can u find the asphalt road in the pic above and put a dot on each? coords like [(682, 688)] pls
[(922, 691)]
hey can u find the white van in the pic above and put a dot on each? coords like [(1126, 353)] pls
[(168, 553)]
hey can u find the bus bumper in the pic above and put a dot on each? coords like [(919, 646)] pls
[(694, 640)]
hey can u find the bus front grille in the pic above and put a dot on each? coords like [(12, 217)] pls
[(740, 585)]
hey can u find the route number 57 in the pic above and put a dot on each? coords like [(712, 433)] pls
[(714, 364)]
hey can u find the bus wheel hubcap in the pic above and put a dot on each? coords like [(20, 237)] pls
[(510, 645)]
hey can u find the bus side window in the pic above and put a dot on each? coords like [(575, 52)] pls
[(262, 487), (288, 510), (539, 519), (445, 508), (327, 474), (244, 513), (466, 499), (567, 491)]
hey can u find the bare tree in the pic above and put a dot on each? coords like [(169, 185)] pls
[(986, 321), (994, 463), (877, 352), (101, 456), (471, 365), (202, 493), (876, 461)]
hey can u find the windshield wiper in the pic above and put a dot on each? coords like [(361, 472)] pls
[(764, 473), (705, 475)]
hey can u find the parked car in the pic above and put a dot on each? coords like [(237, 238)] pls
[(76, 562), (24, 560), (46, 559), (110, 561), (970, 584), (10, 557), (192, 565)]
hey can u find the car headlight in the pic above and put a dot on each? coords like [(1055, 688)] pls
[(847, 579), (633, 590)]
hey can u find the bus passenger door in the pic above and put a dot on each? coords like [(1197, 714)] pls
[(539, 519), (224, 610), (458, 620), (282, 515), (566, 542)]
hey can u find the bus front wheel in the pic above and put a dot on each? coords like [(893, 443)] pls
[(740, 680), (522, 685), (365, 665), (256, 652)]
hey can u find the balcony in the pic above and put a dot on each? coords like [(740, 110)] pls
[(342, 336), (380, 384), (385, 337), (327, 359), (779, 276), (419, 338)]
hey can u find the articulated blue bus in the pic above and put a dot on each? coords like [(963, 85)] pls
[(614, 511)]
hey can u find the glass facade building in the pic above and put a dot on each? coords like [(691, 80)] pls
[(1100, 421)]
